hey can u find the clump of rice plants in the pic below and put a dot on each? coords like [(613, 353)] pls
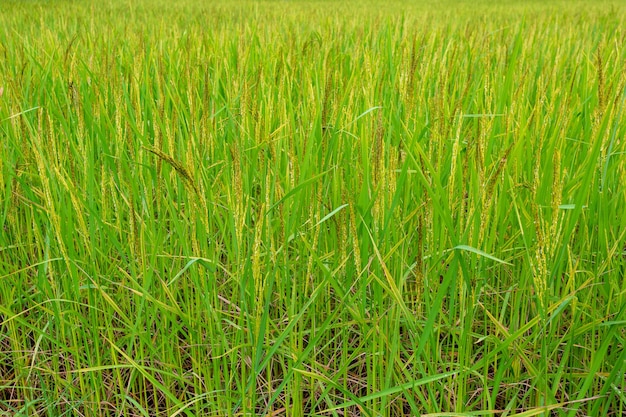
[(312, 208)]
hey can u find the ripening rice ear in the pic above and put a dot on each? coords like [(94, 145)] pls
[(1, 91)]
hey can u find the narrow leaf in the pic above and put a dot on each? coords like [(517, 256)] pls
[(481, 253)]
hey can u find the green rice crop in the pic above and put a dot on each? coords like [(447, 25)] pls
[(308, 208)]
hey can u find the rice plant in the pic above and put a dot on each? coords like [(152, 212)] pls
[(312, 207)]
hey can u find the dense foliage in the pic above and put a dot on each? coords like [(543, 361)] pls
[(312, 208)]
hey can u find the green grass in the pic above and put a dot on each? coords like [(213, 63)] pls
[(312, 208)]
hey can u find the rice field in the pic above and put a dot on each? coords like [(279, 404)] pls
[(312, 208)]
